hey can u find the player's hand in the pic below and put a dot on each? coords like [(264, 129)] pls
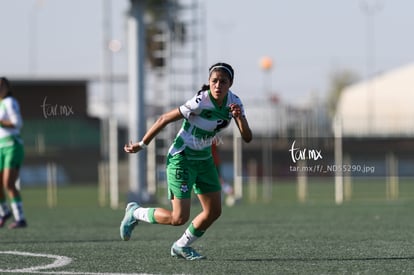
[(235, 110), (132, 147)]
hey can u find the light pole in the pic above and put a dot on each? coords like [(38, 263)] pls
[(266, 64), (370, 9), (33, 36), (137, 120)]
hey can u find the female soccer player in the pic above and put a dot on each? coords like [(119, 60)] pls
[(11, 156), (190, 165)]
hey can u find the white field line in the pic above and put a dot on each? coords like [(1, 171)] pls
[(60, 261)]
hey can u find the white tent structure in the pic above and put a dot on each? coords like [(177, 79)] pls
[(380, 107)]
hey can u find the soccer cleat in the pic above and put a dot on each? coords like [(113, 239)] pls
[(18, 224), (4, 218), (128, 222), (187, 253)]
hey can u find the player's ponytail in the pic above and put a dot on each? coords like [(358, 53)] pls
[(205, 87)]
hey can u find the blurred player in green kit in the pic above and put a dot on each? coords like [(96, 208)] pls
[(11, 157), (190, 165)]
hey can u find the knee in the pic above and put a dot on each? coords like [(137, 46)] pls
[(177, 221)]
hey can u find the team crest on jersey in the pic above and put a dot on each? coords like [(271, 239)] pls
[(184, 188)]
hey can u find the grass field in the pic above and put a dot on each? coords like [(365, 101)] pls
[(373, 236)]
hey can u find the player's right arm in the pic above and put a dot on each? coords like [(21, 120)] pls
[(161, 122), (13, 110)]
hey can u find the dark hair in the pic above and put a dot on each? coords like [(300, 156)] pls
[(4, 81), (220, 66)]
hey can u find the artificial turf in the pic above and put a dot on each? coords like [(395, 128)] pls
[(374, 236)]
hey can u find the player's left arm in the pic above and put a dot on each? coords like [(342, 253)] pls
[(241, 122)]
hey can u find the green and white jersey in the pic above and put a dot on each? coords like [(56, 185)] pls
[(202, 120), (10, 110)]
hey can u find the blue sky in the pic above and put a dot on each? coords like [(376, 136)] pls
[(307, 39)]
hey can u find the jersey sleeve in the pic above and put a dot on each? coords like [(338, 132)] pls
[(236, 100), (191, 107), (13, 111)]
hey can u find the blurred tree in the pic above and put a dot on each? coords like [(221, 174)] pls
[(339, 80), (162, 28)]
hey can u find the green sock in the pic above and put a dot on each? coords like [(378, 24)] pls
[(151, 216), (195, 231), (190, 235)]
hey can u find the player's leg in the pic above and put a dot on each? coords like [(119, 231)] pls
[(5, 212), (10, 176), (179, 215), (179, 193), (12, 159), (180, 178), (211, 205), (208, 190)]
